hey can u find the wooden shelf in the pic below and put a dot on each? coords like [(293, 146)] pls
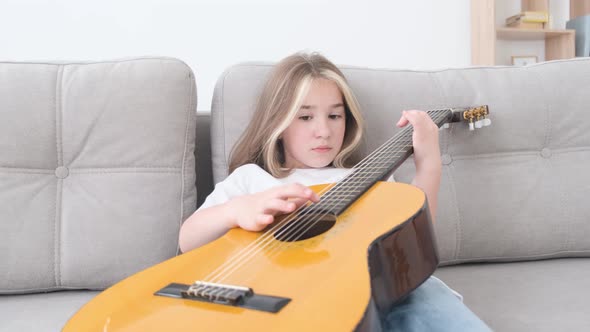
[(532, 34), (559, 44)]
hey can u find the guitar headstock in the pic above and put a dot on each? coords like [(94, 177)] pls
[(477, 117)]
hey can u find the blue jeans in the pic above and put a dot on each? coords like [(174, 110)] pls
[(432, 307)]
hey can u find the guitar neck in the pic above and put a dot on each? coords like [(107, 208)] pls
[(377, 166)]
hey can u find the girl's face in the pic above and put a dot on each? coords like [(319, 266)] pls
[(315, 136)]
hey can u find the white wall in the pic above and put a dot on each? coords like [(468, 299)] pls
[(211, 35)]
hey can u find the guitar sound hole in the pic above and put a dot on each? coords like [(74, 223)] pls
[(305, 226)]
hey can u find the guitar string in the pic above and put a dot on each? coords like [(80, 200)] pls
[(275, 247), (308, 224), (221, 292), (270, 235), (272, 251), (311, 223), (332, 189), (272, 245)]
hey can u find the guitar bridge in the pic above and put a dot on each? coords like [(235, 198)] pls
[(222, 294), (219, 293)]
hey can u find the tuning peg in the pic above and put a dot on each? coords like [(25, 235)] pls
[(446, 126), (478, 124), (471, 126), (487, 122)]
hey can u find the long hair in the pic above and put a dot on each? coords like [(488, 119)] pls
[(278, 105)]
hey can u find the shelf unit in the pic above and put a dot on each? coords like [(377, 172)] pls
[(559, 43)]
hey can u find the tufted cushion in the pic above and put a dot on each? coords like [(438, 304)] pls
[(513, 191), (97, 170)]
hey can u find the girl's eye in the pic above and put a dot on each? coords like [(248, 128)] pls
[(305, 117), (335, 116)]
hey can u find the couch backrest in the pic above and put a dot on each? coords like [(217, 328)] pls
[(96, 169), (513, 191)]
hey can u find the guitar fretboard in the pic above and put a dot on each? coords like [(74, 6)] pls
[(378, 166)]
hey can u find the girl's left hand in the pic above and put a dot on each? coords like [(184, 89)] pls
[(425, 138)]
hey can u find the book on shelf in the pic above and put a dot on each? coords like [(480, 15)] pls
[(526, 25), (528, 17)]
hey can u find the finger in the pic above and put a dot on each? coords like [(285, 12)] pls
[(402, 121), (299, 201), (295, 190), (264, 219), (411, 116), (278, 205), (418, 119), (312, 196)]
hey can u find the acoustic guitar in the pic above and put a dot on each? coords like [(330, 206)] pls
[(335, 265)]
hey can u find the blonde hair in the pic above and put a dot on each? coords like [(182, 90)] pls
[(278, 105)]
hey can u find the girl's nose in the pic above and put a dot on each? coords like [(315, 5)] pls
[(322, 128)]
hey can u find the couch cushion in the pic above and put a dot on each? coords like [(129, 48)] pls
[(547, 295), (97, 170), (40, 312), (511, 191)]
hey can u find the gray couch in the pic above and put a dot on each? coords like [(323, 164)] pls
[(96, 174)]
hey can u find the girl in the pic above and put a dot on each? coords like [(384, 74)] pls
[(307, 129)]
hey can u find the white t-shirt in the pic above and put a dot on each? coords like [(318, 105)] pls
[(250, 178)]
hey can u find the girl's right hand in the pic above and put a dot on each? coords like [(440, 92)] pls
[(254, 212)]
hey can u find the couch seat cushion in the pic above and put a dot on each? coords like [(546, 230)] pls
[(547, 295), (40, 312)]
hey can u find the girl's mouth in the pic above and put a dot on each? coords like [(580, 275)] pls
[(322, 149)]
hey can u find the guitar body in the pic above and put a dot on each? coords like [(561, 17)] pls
[(381, 248)]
